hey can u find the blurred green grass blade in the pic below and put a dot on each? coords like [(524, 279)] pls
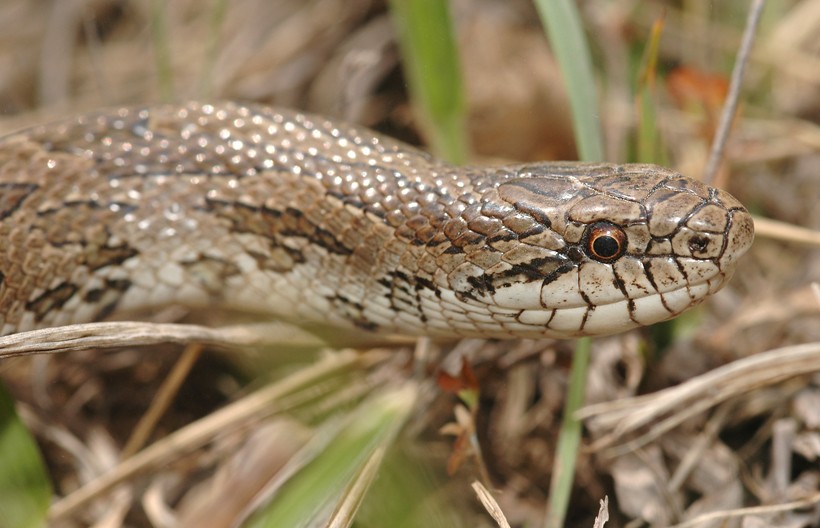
[(407, 495), (25, 491), (650, 144), (219, 9), (412, 491), (650, 148), (317, 491), (569, 438), (352, 497), (432, 69), (162, 49), (562, 23)]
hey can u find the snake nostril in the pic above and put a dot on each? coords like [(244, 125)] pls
[(698, 244)]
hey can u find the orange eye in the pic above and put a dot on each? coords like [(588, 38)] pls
[(604, 242)]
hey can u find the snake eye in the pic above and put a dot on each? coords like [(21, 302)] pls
[(604, 242)]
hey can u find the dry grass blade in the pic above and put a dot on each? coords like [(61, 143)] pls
[(490, 504), (121, 334), (603, 514), (668, 408)]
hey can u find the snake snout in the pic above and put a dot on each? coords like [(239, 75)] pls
[(739, 237), (706, 242)]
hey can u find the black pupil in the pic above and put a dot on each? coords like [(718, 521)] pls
[(605, 246)]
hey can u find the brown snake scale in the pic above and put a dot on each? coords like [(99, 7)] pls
[(294, 216)]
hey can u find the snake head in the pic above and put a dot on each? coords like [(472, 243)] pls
[(601, 248)]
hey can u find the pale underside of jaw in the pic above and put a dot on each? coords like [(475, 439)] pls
[(620, 315), (572, 321)]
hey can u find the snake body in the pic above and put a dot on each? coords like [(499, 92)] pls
[(295, 216)]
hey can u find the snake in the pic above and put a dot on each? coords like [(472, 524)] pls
[(296, 217)]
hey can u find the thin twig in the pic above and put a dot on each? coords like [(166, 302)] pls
[(730, 107), (163, 399), (786, 232)]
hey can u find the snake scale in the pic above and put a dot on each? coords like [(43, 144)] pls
[(295, 216)]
